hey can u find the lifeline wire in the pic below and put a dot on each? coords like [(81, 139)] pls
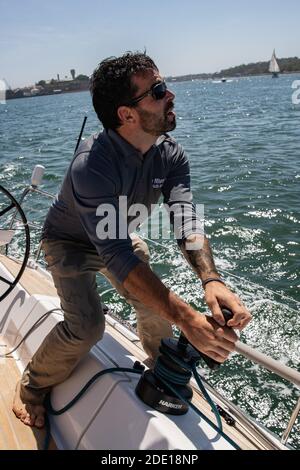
[(31, 330), (235, 276)]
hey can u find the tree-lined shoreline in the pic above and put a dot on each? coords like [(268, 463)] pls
[(81, 83), (287, 65)]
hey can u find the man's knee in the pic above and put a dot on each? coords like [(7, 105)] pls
[(94, 333), (87, 333)]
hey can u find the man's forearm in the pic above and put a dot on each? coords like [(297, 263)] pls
[(201, 259), (204, 333), (148, 289)]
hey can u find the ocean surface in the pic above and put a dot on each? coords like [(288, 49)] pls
[(242, 139)]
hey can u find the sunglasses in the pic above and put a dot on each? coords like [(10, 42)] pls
[(158, 91)]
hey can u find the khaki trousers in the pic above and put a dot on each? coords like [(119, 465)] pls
[(73, 267)]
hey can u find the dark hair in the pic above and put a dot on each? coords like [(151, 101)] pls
[(111, 84)]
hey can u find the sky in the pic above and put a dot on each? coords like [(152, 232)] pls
[(40, 39)]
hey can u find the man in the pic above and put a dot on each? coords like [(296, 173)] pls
[(132, 157)]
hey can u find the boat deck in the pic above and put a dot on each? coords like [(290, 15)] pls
[(15, 435), (236, 433)]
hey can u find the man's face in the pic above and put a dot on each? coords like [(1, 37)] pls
[(156, 116)]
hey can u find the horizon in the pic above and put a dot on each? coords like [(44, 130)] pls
[(39, 41), (47, 80)]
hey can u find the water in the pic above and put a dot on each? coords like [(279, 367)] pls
[(242, 139)]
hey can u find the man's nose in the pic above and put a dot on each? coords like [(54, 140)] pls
[(170, 94)]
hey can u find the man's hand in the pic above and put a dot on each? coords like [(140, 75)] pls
[(216, 296), (206, 335)]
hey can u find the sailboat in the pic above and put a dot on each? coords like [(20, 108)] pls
[(273, 66)]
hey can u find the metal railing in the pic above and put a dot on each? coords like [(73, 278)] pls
[(267, 362), (36, 179)]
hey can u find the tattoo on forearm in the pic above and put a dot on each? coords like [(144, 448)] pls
[(201, 260)]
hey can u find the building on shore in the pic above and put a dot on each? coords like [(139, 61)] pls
[(51, 87)]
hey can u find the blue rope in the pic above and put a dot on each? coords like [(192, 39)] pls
[(177, 380), (52, 411), (166, 376), (199, 413)]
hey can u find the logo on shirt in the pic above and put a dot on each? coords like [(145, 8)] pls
[(158, 183)]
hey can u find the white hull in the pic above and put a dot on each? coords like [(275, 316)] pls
[(109, 415)]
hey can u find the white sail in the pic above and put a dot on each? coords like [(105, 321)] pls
[(274, 67)]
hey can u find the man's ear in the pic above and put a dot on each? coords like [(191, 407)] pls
[(126, 115)]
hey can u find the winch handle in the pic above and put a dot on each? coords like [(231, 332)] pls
[(211, 363), (227, 314)]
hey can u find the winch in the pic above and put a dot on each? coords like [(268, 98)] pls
[(165, 387)]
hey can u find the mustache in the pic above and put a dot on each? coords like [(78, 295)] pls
[(170, 107)]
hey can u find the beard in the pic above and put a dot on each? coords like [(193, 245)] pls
[(156, 125)]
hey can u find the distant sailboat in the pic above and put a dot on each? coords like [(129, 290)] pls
[(274, 67)]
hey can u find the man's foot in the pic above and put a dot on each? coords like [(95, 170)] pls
[(31, 415)]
